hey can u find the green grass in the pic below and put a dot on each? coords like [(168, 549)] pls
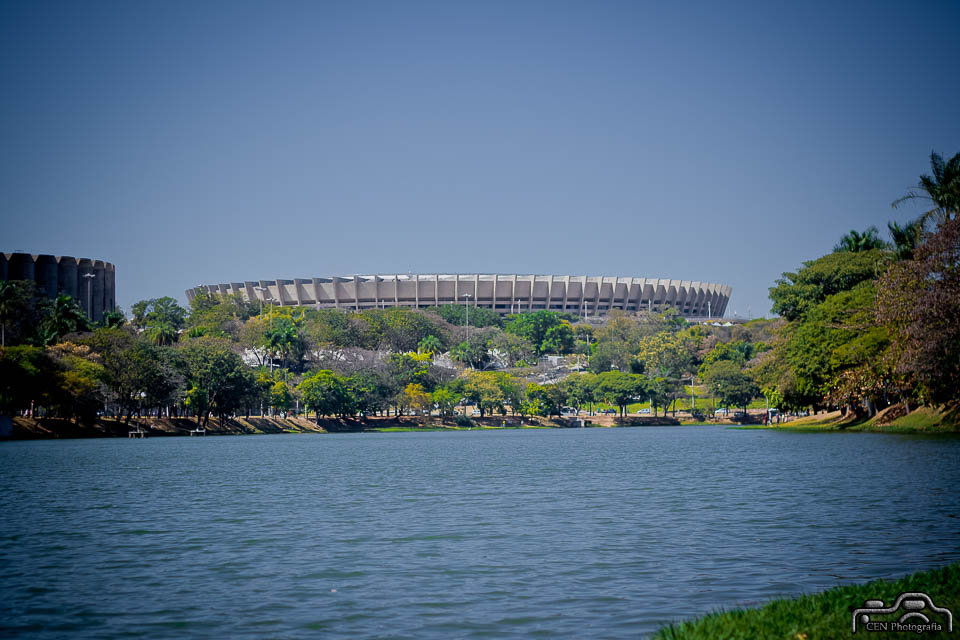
[(921, 420), (822, 615)]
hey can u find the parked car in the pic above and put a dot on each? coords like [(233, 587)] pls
[(475, 412), (720, 412), (608, 411), (647, 410)]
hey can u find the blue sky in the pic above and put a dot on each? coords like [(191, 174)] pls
[(204, 142)]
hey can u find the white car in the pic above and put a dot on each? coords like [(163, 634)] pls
[(647, 410)]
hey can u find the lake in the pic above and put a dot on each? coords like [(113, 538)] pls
[(605, 533)]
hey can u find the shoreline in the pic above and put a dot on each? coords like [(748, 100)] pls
[(824, 614), (890, 420), (919, 421), (27, 428)]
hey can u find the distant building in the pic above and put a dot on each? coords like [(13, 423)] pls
[(56, 275), (512, 293)]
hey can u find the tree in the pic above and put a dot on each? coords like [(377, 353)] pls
[(581, 389), (324, 393), (610, 355), (855, 242), (369, 390), (544, 399), (61, 317), (796, 293), (220, 315), (410, 368), (666, 354), (25, 378), (482, 390), (415, 398), (19, 314), (281, 396), (398, 329), (334, 328), (558, 339), (430, 344), (942, 189), (838, 335), (445, 399), (737, 351), (284, 337), (919, 302), (510, 349), (159, 311), (729, 383), (456, 314), (218, 381), (905, 239), (533, 327), (472, 352), (114, 318), (619, 388)]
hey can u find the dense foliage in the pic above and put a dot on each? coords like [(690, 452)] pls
[(874, 323), (871, 324)]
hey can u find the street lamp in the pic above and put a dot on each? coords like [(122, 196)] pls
[(89, 277), (467, 296), (260, 297)]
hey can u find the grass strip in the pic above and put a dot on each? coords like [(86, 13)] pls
[(827, 614)]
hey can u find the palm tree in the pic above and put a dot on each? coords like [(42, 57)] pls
[(905, 238), (942, 189), (162, 333), (65, 317), (855, 242)]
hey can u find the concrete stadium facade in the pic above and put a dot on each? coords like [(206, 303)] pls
[(513, 293), (56, 275)]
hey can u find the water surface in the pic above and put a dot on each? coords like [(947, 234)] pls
[(555, 533)]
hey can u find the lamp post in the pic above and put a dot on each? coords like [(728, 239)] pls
[(467, 296), (89, 277), (260, 297)]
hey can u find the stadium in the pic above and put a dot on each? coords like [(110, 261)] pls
[(513, 293)]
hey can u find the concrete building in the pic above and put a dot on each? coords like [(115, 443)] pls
[(92, 283), (513, 293)]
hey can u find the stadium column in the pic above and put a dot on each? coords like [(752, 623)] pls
[(436, 289), (566, 291), (356, 292), (513, 293), (596, 301)]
